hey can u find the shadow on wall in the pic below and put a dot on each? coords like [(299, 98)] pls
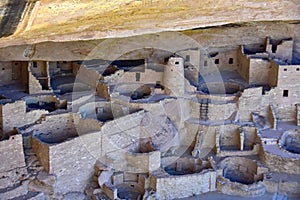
[(12, 16)]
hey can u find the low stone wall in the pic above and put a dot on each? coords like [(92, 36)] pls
[(144, 162), (171, 186), (280, 164), (283, 184), (41, 150), (15, 115), (225, 186), (73, 168)]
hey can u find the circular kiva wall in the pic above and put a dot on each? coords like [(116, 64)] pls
[(221, 88), (290, 141), (184, 166), (130, 191), (238, 169)]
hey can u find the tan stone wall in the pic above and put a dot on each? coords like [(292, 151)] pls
[(280, 164), (148, 77), (225, 186), (286, 187), (14, 115), (284, 107), (284, 50), (221, 111), (34, 85), (13, 167), (273, 74), (229, 136), (244, 65), (42, 152), (73, 168), (103, 91), (144, 162), (259, 71), (173, 79), (12, 155), (223, 57), (170, 187), (88, 76), (249, 102), (288, 75), (5, 73)]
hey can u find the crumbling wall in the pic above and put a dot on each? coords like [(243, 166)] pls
[(13, 166), (221, 112), (34, 85), (74, 168), (280, 164), (103, 90), (249, 102), (15, 115), (282, 50)]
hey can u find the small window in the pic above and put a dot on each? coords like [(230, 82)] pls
[(285, 69), (187, 58), (137, 76), (176, 63), (3, 68), (205, 63), (65, 62), (34, 64), (297, 69), (217, 61), (230, 61), (285, 93)]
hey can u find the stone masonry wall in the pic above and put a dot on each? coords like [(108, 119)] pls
[(15, 115), (170, 187)]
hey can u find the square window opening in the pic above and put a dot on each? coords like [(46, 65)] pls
[(285, 93), (285, 69), (137, 76), (187, 58), (217, 61), (230, 61)]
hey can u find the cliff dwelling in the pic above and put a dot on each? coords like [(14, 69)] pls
[(149, 100)]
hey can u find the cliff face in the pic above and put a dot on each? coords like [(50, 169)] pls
[(32, 21)]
